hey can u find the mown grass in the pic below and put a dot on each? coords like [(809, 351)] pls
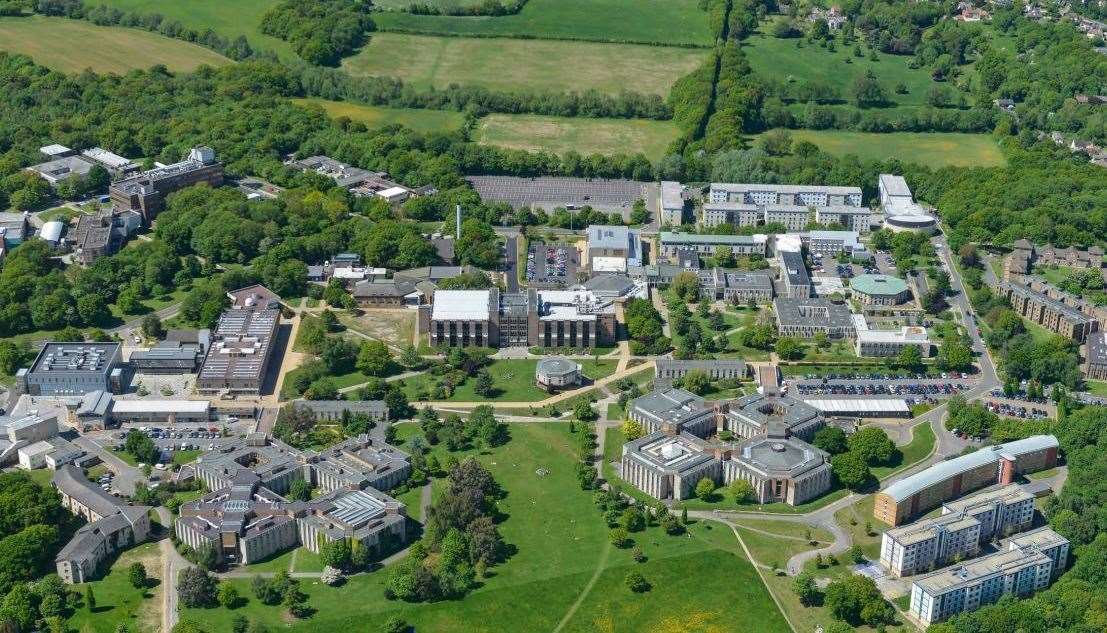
[(74, 45), (375, 116), (677, 22), (933, 149), (117, 601), (582, 135), (512, 381), (523, 65)]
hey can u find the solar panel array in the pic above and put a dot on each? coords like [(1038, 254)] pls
[(241, 345), (357, 508)]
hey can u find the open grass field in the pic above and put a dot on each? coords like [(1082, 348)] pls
[(781, 58), (582, 135), (512, 380), (523, 65), (75, 45), (229, 19), (562, 545), (375, 116), (679, 22), (920, 446), (117, 601), (933, 149)]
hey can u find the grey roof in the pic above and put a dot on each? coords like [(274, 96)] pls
[(816, 312), (671, 197), (665, 364), (744, 187), (373, 407), (668, 237), (556, 366), (72, 481), (905, 488), (62, 168), (669, 453), (610, 284), (894, 185), (795, 268), (667, 404), (777, 415), (82, 357), (780, 457), (1053, 304), (1097, 348), (383, 288)]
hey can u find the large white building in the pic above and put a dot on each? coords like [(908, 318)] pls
[(881, 343), (1028, 563), (794, 206), (901, 212)]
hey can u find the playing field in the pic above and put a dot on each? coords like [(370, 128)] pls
[(75, 45), (229, 19), (776, 57), (653, 21), (523, 65), (585, 136), (564, 576), (374, 116), (935, 149)]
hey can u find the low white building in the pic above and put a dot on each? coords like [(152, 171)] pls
[(881, 343), (161, 411)]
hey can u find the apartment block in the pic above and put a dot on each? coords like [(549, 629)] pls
[(1048, 312)]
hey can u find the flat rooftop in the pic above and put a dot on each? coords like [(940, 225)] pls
[(91, 358), (462, 305), (816, 312)]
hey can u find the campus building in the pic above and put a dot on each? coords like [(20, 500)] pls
[(72, 369), (952, 478), (669, 369), (1026, 565), (833, 243), (794, 206), (883, 290), (145, 192), (771, 454), (182, 352), (1050, 313), (901, 212), (615, 241), (553, 373), (958, 533), (1095, 365), (360, 182), (793, 274), (332, 410), (240, 351), (672, 244), (672, 203), (804, 318), (884, 343), (112, 525), (736, 286)]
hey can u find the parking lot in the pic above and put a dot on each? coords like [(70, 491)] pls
[(552, 266)]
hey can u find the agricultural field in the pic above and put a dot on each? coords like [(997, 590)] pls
[(523, 65), (933, 149), (564, 569), (376, 116), (582, 135), (777, 57), (74, 45), (675, 22), (228, 19)]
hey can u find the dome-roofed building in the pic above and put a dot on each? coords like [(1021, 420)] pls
[(557, 372), (881, 290)]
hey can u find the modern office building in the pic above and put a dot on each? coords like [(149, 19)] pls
[(736, 286), (182, 352), (955, 477), (72, 369), (958, 533), (804, 318), (240, 351), (884, 290), (705, 245), (615, 241), (360, 182), (1050, 313), (145, 192), (112, 525), (1021, 569)]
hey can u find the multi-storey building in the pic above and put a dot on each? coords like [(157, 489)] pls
[(72, 369), (668, 466), (884, 343), (804, 318), (145, 192), (615, 241), (832, 243), (1050, 313), (1021, 569), (884, 290), (672, 203), (735, 285), (952, 478), (781, 469), (1095, 365), (801, 195), (668, 369), (794, 206), (793, 273), (958, 533), (673, 243), (240, 351)]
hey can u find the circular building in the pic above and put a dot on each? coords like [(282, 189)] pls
[(556, 373), (916, 222), (880, 290)]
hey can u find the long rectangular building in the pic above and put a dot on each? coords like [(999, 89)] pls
[(1050, 313), (239, 354), (952, 478), (794, 206), (146, 192), (804, 318), (739, 245)]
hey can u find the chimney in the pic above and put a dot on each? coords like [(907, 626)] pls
[(457, 209)]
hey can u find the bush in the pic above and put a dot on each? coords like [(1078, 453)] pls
[(636, 582)]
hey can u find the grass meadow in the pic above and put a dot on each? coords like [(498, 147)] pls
[(934, 149), (376, 116), (514, 65), (74, 45), (564, 570), (673, 22), (583, 135)]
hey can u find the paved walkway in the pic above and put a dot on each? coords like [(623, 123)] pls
[(172, 564)]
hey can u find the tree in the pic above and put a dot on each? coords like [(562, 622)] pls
[(228, 596), (804, 587), (152, 327), (636, 582), (136, 573), (742, 491), (789, 348), (336, 553), (856, 600), (640, 214), (483, 385), (584, 412), (141, 447), (632, 520), (954, 356), (374, 359), (697, 381), (196, 588), (910, 358), (299, 490), (850, 469), (686, 286), (775, 142), (832, 440), (872, 445), (619, 537), (705, 489), (395, 625), (632, 430), (867, 90)]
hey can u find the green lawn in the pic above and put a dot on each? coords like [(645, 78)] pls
[(375, 116), (229, 19), (117, 601), (771, 56), (582, 135), (678, 22), (513, 380), (920, 446), (561, 544), (933, 149), (61, 214), (535, 65), (1053, 274), (75, 45), (1096, 388), (185, 457)]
